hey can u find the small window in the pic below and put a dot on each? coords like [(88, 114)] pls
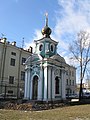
[(72, 73), (23, 60), (56, 85), (41, 47), (70, 82), (23, 75), (67, 82), (11, 79), (70, 91), (67, 72), (10, 91), (12, 63), (73, 82), (73, 92), (13, 53), (52, 49)]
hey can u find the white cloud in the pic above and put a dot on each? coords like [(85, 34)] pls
[(76, 16), (27, 45), (37, 36), (72, 16)]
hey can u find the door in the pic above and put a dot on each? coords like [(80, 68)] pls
[(35, 87)]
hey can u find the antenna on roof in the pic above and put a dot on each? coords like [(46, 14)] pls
[(22, 42), (3, 35)]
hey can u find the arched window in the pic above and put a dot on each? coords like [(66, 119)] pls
[(52, 48), (40, 47), (56, 85)]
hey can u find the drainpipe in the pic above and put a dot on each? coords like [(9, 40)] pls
[(18, 84), (3, 63)]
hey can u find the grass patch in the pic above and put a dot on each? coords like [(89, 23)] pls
[(80, 112)]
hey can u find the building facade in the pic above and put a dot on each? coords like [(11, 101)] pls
[(12, 70), (45, 71), (71, 87)]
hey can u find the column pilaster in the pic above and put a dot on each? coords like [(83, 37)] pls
[(63, 84), (45, 83)]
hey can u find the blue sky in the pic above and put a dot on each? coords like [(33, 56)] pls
[(21, 18), (25, 18)]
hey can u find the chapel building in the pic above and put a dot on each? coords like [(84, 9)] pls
[(46, 71)]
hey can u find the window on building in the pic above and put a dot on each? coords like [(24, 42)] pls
[(73, 82), (67, 91), (72, 73), (22, 75), (67, 72), (70, 82), (40, 47), (66, 81), (73, 92), (11, 79), (52, 48), (10, 91), (13, 53), (70, 91), (12, 63), (23, 60), (56, 85)]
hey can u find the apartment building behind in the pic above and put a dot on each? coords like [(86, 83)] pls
[(70, 80), (12, 69)]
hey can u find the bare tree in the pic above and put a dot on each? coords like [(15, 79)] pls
[(80, 49)]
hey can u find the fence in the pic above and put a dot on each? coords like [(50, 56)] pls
[(15, 90)]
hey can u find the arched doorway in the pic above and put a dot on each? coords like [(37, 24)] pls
[(35, 88), (56, 85)]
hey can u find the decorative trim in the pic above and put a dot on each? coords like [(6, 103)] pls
[(57, 96), (35, 74), (56, 72)]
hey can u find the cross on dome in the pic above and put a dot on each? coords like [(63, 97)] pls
[(46, 14), (46, 31)]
